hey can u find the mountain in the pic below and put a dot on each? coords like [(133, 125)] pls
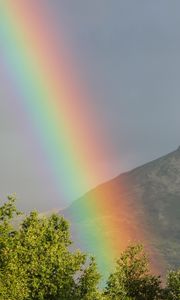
[(144, 204)]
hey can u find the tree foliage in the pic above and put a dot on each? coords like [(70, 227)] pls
[(36, 263), (131, 278), (172, 290)]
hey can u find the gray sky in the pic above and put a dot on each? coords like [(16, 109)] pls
[(130, 58)]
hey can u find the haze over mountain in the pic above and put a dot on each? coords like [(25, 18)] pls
[(152, 194)]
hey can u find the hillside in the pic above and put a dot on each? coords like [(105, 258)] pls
[(150, 213)]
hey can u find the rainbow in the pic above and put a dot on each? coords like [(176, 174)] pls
[(43, 76)]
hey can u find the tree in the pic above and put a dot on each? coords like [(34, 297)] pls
[(36, 263), (87, 284), (172, 291), (131, 278)]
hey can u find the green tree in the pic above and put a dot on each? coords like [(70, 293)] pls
[(10, 280), (131, 278), (172, 290), (36, 262), (88, 281)]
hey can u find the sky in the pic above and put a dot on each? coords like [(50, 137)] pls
[(128, 58)]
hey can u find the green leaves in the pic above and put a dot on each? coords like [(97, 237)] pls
[(172, 291), (9, 210), (131, 278), (86, 288), (36, 263), (35, 260)]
